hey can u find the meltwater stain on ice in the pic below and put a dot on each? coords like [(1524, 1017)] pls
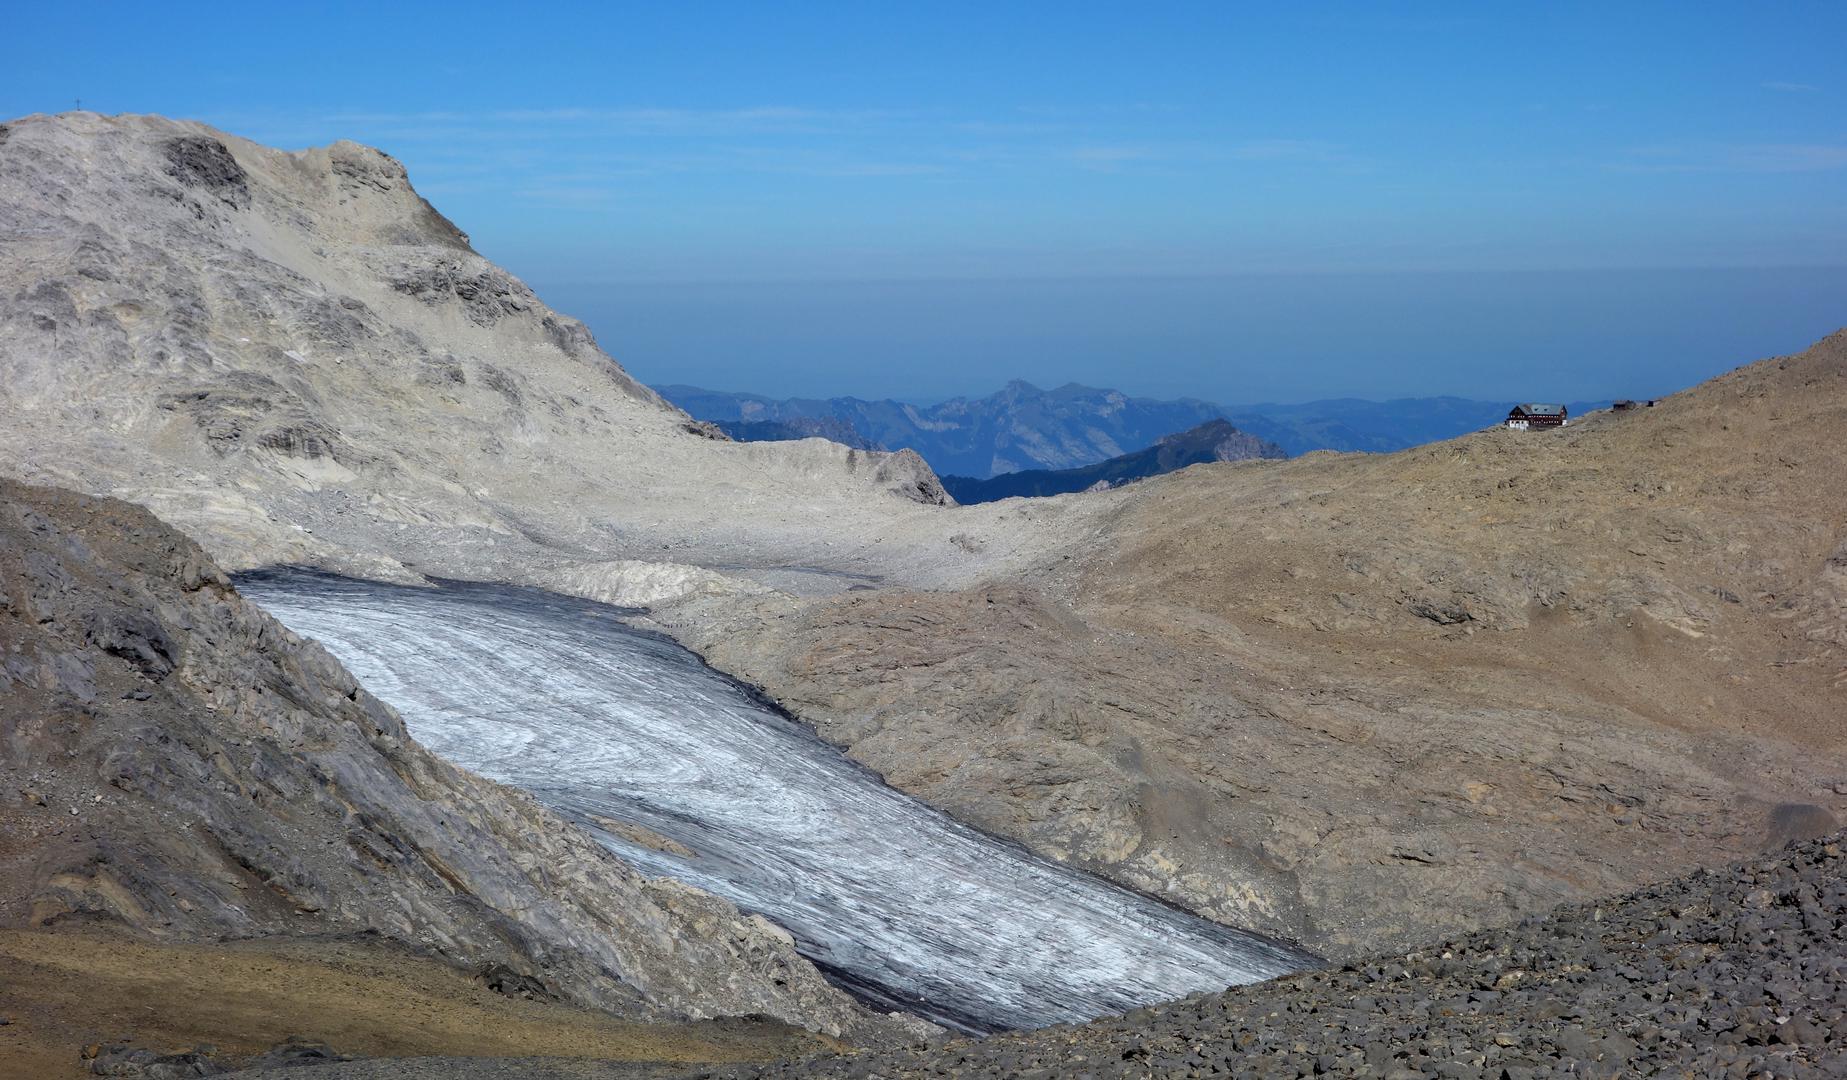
[(893, 899)]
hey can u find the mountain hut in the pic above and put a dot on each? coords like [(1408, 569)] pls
[(1534, 415)]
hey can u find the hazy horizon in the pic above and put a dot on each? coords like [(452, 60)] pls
[(1222, 201), (1560, 335)]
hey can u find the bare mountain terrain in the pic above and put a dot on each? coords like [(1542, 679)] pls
[(1352, 699), (296, 359), (1346, 699), (129, 1001), (176, 762), (1733, 972), (1730, 973)]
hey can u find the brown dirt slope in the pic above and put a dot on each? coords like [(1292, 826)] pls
[(72, 988), (1354, 699)]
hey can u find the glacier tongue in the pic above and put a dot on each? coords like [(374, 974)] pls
[(688, 775)]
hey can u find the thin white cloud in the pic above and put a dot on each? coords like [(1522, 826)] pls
[(1112, 154), (566, 155), (1287, 150), (1114, 157), (1007, 128), (568, 196), (1735, 158)]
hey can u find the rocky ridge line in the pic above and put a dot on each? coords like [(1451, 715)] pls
[(296, 359)]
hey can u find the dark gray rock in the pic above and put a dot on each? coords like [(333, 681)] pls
[(205, 163), (1759, 988)]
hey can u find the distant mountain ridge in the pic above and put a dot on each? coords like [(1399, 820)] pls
[(1019, 427), (833, 428), (1022, 427), (1214, 440)]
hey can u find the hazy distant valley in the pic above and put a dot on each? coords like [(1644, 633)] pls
[(1022, 427), (628, 741)]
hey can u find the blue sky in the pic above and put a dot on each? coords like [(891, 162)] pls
[(1228, 200)]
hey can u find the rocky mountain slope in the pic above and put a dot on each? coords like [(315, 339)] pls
[(1733, 973), (1022, 427), (296, 359), (1214, 440), (1356, 699), (1352, 700), (175, 761)]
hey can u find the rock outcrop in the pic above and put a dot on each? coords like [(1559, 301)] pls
[(296, 359), (173, 759)]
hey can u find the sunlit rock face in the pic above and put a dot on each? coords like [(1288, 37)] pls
[(685, 773)]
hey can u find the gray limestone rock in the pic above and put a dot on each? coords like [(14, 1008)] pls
[(296, 359)]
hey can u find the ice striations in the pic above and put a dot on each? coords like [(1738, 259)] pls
[(685, 773)]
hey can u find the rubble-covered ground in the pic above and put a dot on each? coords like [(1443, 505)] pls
[(1739, 972)]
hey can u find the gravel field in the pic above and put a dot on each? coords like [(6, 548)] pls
[(1740, 972)]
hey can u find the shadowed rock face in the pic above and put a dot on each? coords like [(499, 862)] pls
[(173, 759), (200, 162)]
